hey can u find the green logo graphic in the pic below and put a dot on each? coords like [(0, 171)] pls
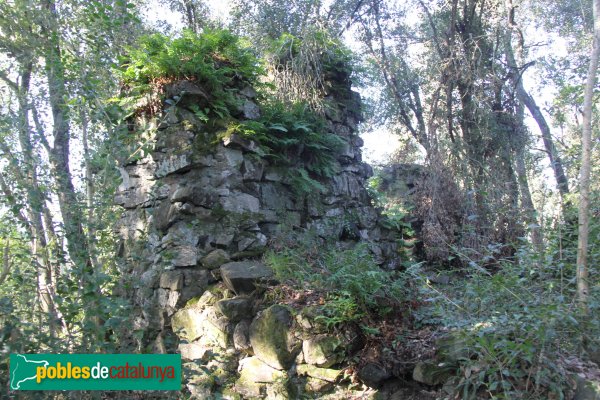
[(95, 372)]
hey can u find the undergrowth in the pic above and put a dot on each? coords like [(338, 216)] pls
[(350, 285), (512, 330), (219, 61), (213, 58)]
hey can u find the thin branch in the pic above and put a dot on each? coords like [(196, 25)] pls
[(5, 262), (12, 84), (40, 129)]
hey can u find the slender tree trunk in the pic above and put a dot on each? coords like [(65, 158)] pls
[(59, 156), (519, 138), (89, 186), (36, 202), (585, 172), (555, 160)]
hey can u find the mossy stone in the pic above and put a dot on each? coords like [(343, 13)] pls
[(324, 374), (272, 338), (431, 374), (323, 351)]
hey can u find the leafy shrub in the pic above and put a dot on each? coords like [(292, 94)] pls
[(214, 58), (217, 59)]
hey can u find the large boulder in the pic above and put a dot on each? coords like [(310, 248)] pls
[(272, 337)]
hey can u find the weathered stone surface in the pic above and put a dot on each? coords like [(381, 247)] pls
[(452, 348), (197, 205), (317, 385), (194, 351), (249, 92), (175, 163), (272, 338), (208, 298), (240, 202), (282, 390), (216, 328), (224, 239), (241, 339), (215, 259), (250, 110), (242, 276), (254, 370), (194, 284), (252, 170), (172, 280), (249, 389), (273, 175), (323, 351), (233, 158), (430, 373), (235, 309), (167, 299), (187, 323), (347, 152), (235, 140), (275, 197), (188, 92), (373, 375), (587, 389), (325, 374), (179, 234), (199, 381), (182, 256)]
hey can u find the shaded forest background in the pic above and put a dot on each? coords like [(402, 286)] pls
[(497, 100)]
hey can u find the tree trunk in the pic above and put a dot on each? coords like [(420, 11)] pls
[(555, 160), (59, 156), (519, 138), (584, 178)]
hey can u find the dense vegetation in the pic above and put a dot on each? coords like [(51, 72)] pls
[(506, 210)]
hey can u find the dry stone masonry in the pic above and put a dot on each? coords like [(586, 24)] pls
[(197, 217)]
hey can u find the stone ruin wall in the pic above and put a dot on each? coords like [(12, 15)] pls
[(190, 209)]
